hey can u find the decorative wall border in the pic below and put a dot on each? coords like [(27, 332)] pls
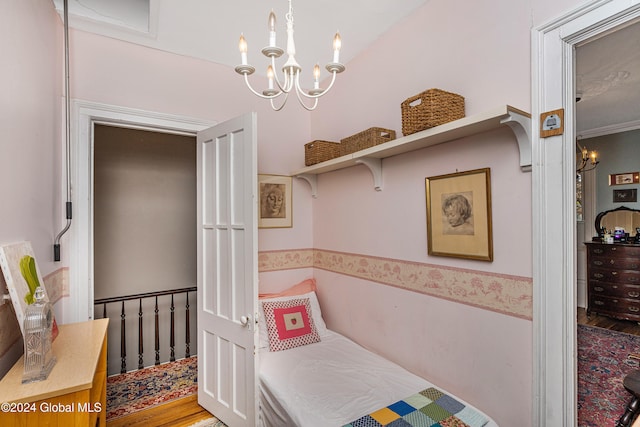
[(506, 294)]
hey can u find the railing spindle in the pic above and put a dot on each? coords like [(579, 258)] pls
[(186, 332), (172, 339), (140, 337), (123, 334), (123, 341), (157, 334)]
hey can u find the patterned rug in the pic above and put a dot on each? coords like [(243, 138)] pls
[(602, 366), (148, 387)]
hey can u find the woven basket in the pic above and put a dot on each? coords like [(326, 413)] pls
[(430, 108), (319, 151), (367, 138)]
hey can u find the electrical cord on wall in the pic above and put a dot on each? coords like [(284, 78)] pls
[(56, 245)]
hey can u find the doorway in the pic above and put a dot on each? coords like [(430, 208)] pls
[(144, 228), (85, 116), (554, 222)]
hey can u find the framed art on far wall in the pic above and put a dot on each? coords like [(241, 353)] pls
[(459, 215), (275, 210)]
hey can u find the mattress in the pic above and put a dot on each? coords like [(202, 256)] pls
[(330, 383)]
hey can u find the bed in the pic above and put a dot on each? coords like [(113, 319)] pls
[(311, 376)]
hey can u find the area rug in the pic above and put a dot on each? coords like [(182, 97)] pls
[(602, 366), (148, 387)]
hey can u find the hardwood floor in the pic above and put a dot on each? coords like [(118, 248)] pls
[(605, 322), (179, 413)]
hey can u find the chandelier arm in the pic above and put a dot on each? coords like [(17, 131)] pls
[(246, 80), (284, 102), (305, 106), (318, 95), (286, 87)]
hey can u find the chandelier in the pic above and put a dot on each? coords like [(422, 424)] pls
[(291, 69), (588, 161)]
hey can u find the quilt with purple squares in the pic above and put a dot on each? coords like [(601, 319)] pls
[(428, 408)]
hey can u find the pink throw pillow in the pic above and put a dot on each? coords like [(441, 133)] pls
[(289, 324)]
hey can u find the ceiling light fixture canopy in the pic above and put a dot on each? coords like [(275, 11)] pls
[(291, 69), (588, 161)]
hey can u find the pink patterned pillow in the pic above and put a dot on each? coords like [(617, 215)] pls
[(289, 324)]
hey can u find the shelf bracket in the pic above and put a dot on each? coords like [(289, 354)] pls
[(521, 127), (313, 182), (375, 166)]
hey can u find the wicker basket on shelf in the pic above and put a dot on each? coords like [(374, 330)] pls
[(430, 108), (367, 138), (320, 151)]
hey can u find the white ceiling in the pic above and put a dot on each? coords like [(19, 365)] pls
[(607, 68), (210, 29), (608, 82)]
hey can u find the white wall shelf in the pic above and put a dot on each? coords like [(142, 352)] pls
[(505, 115)]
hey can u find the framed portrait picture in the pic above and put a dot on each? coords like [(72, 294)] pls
[(275, 201), (459, 215)]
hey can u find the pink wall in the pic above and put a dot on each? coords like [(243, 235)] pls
[(112, 72), (481, 51), (484, 357), (30, 110)]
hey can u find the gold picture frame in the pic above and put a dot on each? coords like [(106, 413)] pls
[(459, 215), (275, 208)]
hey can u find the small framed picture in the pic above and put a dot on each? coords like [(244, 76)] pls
[(628, 195), (459, 215), (275, 209), (624, 178)]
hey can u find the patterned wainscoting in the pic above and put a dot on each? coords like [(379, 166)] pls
[(511, 295), (57, 284)]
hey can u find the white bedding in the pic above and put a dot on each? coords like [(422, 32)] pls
[(330, 383)]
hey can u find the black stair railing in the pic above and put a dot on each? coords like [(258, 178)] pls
[(123, 315)]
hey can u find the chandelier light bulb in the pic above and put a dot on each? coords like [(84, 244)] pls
[(242, 45), (272, 29), (337, 44)]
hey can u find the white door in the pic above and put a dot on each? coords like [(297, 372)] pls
[(227, 271)]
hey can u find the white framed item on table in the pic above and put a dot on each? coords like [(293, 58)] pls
[(22, 276)]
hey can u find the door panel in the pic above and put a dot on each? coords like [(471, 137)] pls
[(227, 271)]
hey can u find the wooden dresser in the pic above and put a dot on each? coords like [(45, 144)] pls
[(75, 392), (613, 280)]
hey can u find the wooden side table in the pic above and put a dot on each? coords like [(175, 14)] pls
[(74, 394)]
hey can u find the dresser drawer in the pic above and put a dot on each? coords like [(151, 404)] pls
[(620, 307), (618, 290), (615, 276), (613, 250), (615, 263)]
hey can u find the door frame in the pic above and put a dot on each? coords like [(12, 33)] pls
[(553, 193), (77, 305)]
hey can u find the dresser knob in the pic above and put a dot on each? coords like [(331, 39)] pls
[(613, 248), (598, 289), (614, 273), (598, 251), (598, 262), (598, 275), (634, 294), (598, 303), (634, 309)]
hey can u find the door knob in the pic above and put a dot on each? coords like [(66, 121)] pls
[(244, 320)]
